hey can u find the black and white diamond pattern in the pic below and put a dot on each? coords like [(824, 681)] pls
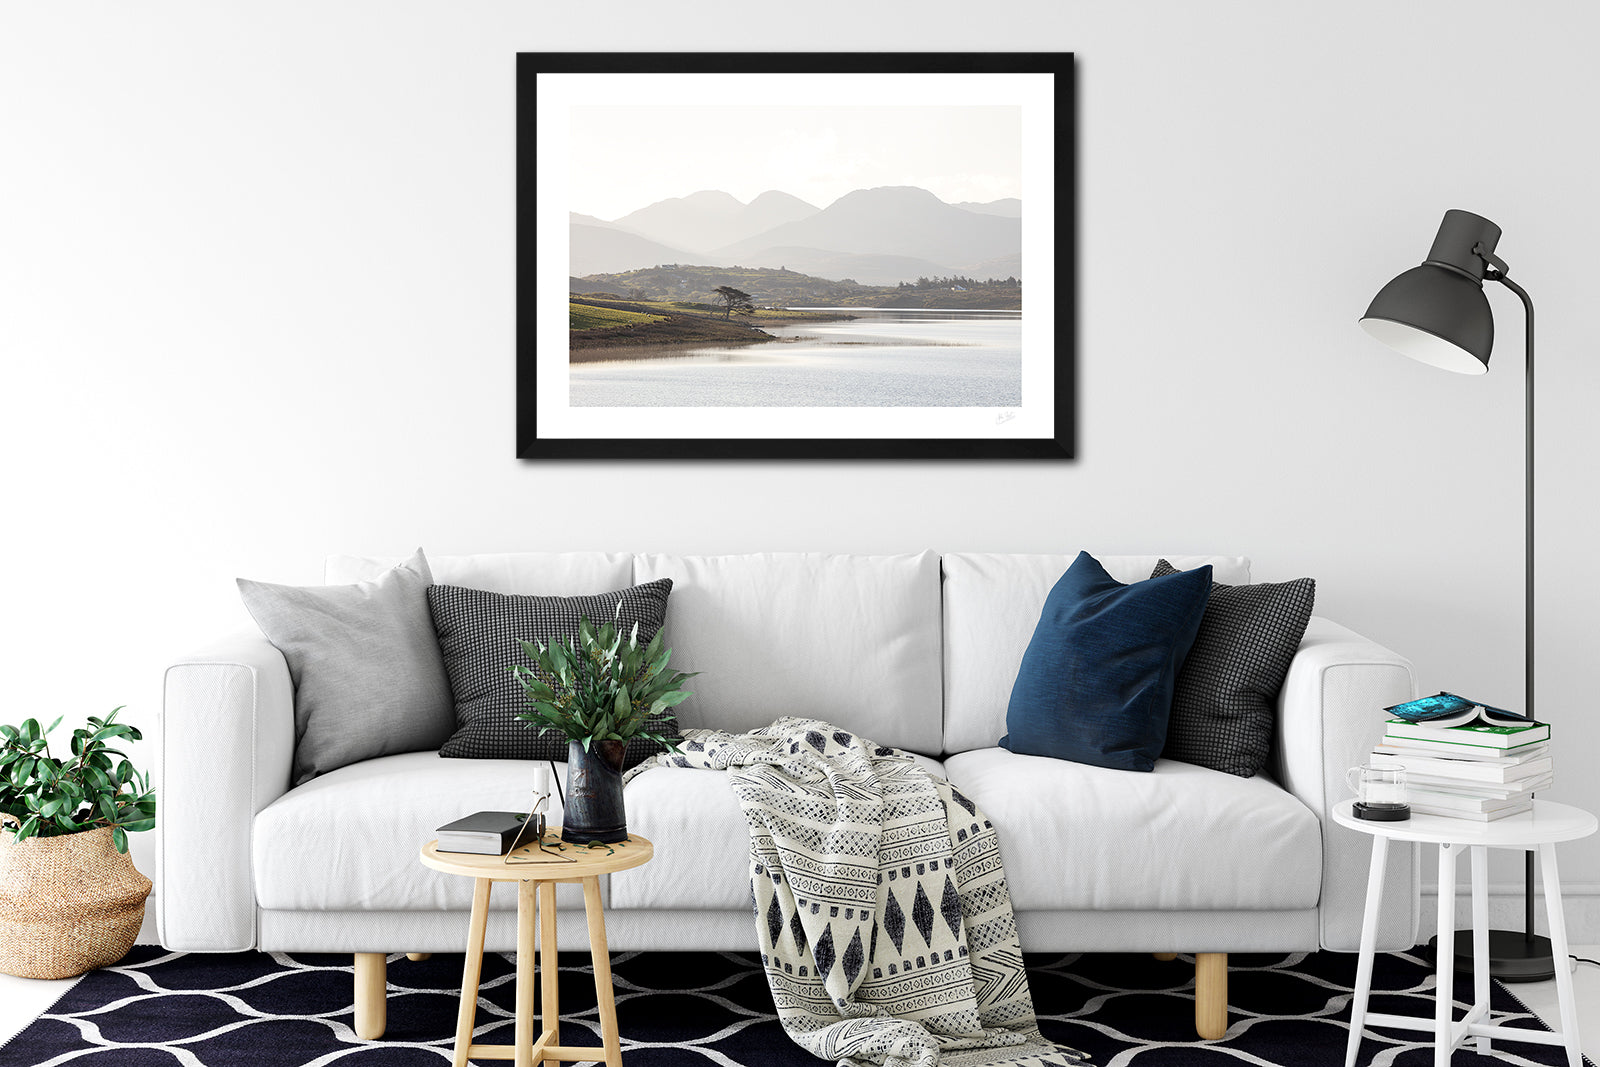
[(867, 840)]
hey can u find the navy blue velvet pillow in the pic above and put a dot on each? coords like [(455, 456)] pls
[(1096, 682)]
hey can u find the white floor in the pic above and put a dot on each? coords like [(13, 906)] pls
[(22, 1000)]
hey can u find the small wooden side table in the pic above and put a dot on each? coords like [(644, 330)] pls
[(537, 872), (1537, 830)]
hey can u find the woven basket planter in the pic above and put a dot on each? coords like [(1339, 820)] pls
[(68, 904)]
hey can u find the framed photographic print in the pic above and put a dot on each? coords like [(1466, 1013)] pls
[(795, 255)]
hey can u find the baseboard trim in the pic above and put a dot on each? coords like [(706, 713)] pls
[(1580, 904)]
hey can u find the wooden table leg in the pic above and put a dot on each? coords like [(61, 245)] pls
[(1369, 944), (601, 956), (526, 930), (1559, 950), (550, 1006), (372, 995), (1444, 994), (472, 971)]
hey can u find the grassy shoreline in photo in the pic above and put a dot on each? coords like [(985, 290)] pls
[(598, 323)]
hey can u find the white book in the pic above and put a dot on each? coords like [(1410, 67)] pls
[(1460, 801), (1509, 791), (1504, 757), (1469, 770), (1475, 816)]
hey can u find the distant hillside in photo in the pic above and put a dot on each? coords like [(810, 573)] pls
[(599, 250), (1010, 207), (788, 288), (881, 236), (893, 220), (707, 220)]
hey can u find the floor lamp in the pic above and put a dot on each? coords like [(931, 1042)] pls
[(1437, 313)]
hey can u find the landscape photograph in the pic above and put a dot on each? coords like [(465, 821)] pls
[(709, 299), (850, 243)]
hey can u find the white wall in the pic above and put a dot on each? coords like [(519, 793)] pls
[(256, 306)]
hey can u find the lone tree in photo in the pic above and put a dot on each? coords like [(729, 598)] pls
[(737, 301)]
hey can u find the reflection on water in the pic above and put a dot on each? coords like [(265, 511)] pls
[(883, 358)]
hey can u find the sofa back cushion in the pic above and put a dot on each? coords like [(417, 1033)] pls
[(525, 573), (849, 639), (992, 603)]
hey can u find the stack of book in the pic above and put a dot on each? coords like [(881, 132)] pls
[(1478, 769)]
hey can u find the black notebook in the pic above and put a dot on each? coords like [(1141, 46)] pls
[(484, 833)]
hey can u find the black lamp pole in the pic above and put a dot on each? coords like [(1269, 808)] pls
[(1437, 313)]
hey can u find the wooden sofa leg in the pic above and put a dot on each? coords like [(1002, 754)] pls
[(1165, 956), (372, 1001), (418, 957), (1211, 994)]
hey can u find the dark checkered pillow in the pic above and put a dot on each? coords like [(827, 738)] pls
[(1224, 705), (480, 635)]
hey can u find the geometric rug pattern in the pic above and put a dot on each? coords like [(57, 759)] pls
[(698, 1009)]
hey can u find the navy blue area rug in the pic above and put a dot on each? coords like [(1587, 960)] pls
[(711, 1009)]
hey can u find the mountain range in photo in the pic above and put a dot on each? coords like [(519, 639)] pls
[(880, 236)]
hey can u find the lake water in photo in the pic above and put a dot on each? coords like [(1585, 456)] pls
[(885, 357)]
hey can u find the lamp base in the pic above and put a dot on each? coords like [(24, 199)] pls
[(1512, 957)]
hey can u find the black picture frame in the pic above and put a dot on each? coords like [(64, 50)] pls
[(1059, 443)]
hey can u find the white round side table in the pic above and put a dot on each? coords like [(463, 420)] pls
[(1537, 830)]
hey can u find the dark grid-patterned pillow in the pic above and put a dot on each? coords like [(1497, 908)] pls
[(480, 635), (1223, 708)]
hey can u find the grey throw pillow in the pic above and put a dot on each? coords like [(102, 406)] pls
[(368, 678), (1224, 706), (481, 635)]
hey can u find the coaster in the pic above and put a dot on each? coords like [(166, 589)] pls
[(1382, 813)]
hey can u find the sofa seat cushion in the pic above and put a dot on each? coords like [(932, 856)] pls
[(349, 840), (702, 841), (1181, 837)]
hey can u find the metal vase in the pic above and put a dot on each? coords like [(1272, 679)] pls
[(594, 793)]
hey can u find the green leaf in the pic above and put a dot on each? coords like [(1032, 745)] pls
[(139, 825), (52, 726), (29, 827), (119, 837)]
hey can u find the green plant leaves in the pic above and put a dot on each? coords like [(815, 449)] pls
[(97, 786), (602, 685)]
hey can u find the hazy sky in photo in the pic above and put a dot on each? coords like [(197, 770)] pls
[(625, 158)]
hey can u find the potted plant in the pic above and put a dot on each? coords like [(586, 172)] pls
[(70, 897), (601, 691)]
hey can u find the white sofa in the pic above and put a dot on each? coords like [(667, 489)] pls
[(915, 651)]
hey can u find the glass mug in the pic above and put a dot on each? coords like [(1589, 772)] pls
[(1380, 791)]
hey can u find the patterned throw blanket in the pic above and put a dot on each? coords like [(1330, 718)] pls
[(881, 906)]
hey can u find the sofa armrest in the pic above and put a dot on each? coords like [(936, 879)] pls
[(227, 744), (1328, 720)]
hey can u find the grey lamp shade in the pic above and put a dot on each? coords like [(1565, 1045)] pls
[(1437, 313)]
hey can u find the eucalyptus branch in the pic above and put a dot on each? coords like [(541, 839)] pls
[(601, 686)]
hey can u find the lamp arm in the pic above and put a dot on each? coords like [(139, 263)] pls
[(1497, 272), (1500, 276)]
